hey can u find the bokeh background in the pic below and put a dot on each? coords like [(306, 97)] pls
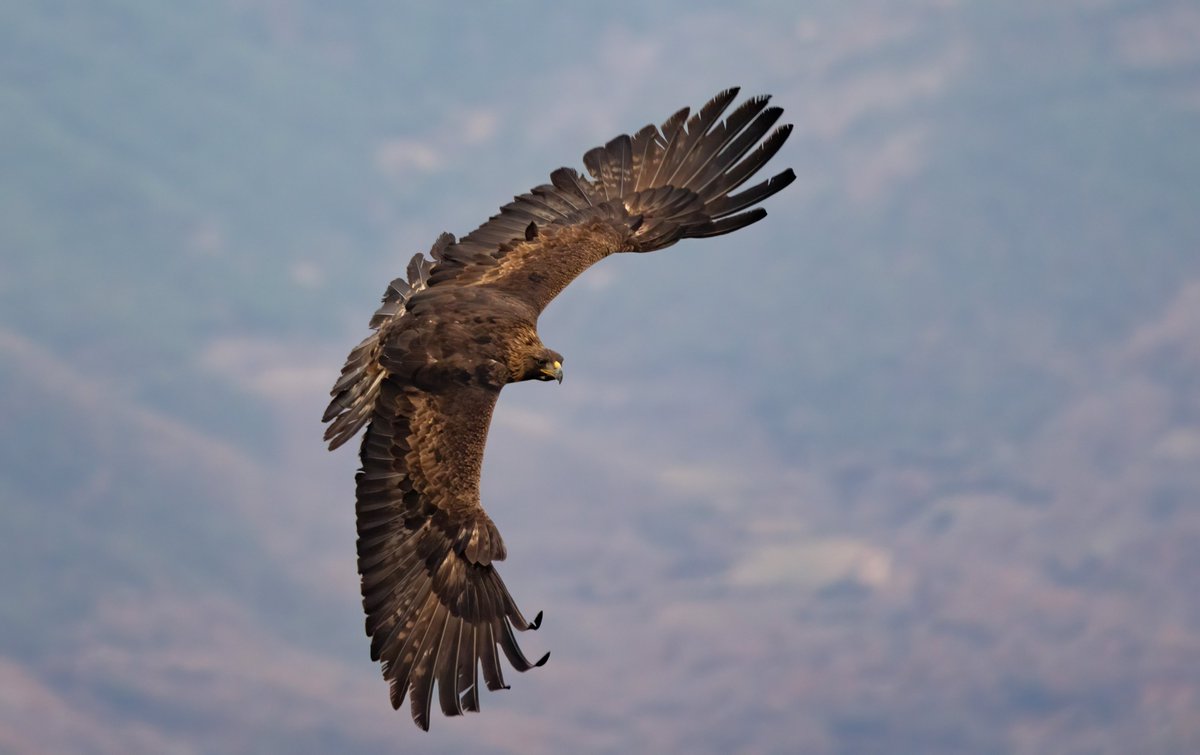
[(912, 466)]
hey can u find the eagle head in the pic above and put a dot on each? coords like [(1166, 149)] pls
[(540, 364)]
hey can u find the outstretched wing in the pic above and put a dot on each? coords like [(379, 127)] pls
[(436, 608), (646, 192)]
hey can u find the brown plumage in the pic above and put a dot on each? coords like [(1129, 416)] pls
[(448, 338)]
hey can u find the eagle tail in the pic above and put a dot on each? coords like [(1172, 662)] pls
[(357, 388)]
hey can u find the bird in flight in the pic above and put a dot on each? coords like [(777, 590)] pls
[(460, 327)]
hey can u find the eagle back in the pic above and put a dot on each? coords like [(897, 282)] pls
[(461, 335)]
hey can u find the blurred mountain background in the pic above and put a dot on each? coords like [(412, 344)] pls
[(912, 466)]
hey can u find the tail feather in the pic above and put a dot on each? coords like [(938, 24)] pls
[(357, 387)]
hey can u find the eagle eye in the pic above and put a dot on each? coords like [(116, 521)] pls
[(549, 368)]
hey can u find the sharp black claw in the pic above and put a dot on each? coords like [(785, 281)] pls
[(537, 621), (542, 660)]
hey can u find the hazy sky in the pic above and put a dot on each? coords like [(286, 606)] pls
[(911, 466)]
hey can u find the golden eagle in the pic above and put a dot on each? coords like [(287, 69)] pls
[(462, 326)]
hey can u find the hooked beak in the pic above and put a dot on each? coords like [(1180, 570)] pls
[(554, 371)]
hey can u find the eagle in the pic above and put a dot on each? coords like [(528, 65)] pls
[(462, 325)]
